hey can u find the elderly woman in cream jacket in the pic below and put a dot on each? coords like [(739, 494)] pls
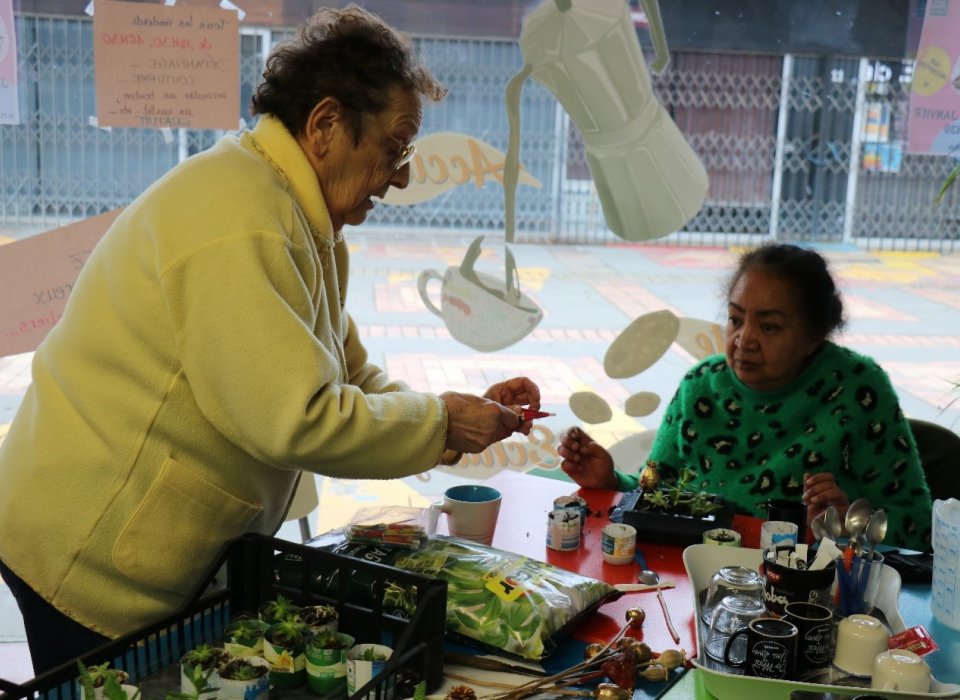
[(205, 356)]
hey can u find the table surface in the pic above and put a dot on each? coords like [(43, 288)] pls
[(522, 527)]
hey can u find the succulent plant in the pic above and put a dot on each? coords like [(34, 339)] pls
[(317, 615), (330, 640), (205, 656), (288, 633), (279, 609), (110, 679), (241, 669), (679, 497)]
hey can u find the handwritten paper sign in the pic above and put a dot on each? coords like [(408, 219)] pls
[(166, 67), (38, 274), (934, 121), (9, 98)]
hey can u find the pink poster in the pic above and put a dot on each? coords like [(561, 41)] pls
[(9, 100), (38, 273), (934, 122)]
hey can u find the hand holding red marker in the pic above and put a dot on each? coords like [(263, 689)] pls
[(529, 414)]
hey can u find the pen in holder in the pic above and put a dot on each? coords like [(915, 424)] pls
[(858, 588)]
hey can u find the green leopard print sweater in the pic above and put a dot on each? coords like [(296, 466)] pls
[(840, 416)]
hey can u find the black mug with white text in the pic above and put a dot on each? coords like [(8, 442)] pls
[(816, 634), (771, 648)]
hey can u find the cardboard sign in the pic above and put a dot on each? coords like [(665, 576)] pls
[(9, 96), (166, 67), (38, 274)]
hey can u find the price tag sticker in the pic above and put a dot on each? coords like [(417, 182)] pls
[(512, 581)]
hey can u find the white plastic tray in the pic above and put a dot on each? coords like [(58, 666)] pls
[(702, 560)]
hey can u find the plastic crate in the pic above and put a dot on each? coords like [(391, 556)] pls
[(244, 578)]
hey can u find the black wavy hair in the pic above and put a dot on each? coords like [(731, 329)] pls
[(808, 275)]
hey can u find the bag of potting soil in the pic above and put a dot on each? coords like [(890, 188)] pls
[(495, 599)]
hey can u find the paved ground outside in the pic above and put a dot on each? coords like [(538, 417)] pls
[(903, 309)]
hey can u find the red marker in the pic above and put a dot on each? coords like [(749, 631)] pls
[(529, 414)]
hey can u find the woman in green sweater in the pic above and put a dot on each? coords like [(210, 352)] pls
[(784, 413)]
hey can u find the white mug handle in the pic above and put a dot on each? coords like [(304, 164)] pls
[(422, 282), (433, 516)]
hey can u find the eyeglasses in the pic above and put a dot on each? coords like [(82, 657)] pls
[(406, 151)]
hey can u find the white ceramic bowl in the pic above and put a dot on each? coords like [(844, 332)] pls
[(900, 669), (860, 639)]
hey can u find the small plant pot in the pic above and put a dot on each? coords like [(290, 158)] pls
[(187, 664), (98, 678), (121, 676), (722, 536), (361, 668), (244, 636), (244, 689), (320, 618), (327, 665), (132, 692), (288, 661)]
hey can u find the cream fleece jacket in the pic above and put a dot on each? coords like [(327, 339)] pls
[(203, 359)]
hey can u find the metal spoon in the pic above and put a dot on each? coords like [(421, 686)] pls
[(858, 515), (819, 527), (875, 531), (651, 578), (832, 521), (647, 576)]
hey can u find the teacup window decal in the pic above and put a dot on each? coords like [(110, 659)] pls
[(479, 310)]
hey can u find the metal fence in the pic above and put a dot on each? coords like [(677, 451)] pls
[(797, 148)]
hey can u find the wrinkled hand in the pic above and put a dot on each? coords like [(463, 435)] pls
[(820, 491), (516, 392), (475, 423), (585, 461)]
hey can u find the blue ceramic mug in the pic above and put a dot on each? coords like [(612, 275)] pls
[(471, 510)]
